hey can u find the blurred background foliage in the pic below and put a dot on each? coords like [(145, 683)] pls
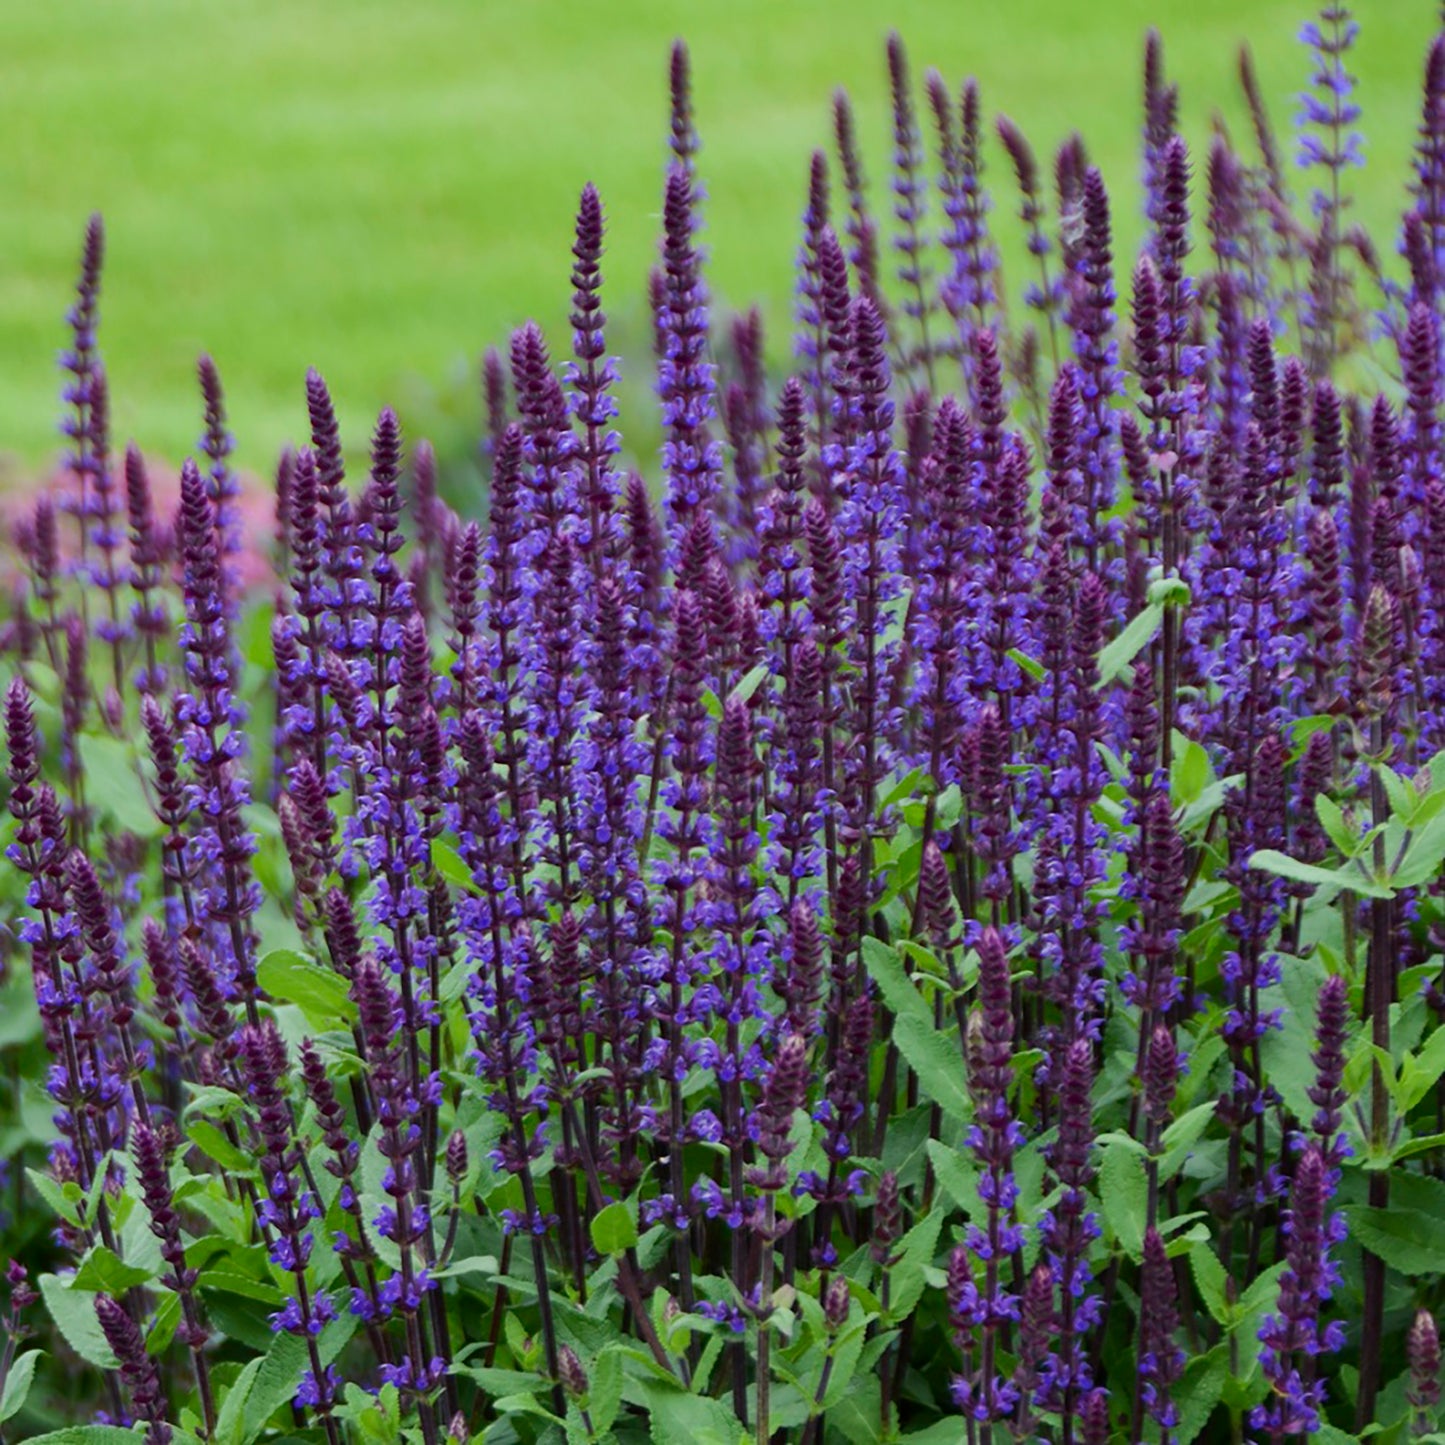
[(382, 189)]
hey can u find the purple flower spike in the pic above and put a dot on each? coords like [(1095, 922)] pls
[(1292, 1339), (862, 228), (1328, 1093), (137, 1369), (1066, 1232), (982, 1310), (1161, 1361), (910, 191), (685, 377), (1422, 1349), (593, 374)]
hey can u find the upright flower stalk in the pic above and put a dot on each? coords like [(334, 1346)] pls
[(840, 879)]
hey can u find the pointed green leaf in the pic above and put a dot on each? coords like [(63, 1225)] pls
[(73, 1311), (1118, 654), (1124, 1191), (318, 992), (1283, 866), (614, 1229), (1407, 1240), (17, 1383), (105, 1272)]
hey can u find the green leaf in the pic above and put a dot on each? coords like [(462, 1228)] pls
[(1181, 1137), (502, 1382), (747, 685), (255, 636), (1263, 1291), (1429, 808), (1407, 1240), (1420, 1072), (234, 1282), (471, 1264), (73, 1311), (856, 1415), (931, 1055), (1124, 1191), (604, 1393), (1283, 866), (378, 1418), (1188, 1127), (231, 1419), (448, 862), (163, 1323), (1422, 1144), (113, 784), (281, 1371), (1403, 797), (374, 1198), (936, 1060), (614, 1229), (105, 1272), (1332, 820), (87, 1435), (1169, 592), (19, 1018), (17, 1383), (887, 971), (525, 1405), (958, 1175), (916, 1250), (213, 1101), (1423, 857), (905, 787), (319, 993), (1190, 771), (54, 1195), (1118, 654), (1212, 1283), (941, 1432), (212, 1142), (846, 1350), (1199, 1392), (1030, 665), (678, 1415)]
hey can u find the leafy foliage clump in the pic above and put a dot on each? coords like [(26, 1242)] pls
[(929, 928)]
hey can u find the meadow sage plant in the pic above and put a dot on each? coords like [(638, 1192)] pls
[(914, 914)]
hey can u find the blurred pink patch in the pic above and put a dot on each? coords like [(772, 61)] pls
[(255, 507)]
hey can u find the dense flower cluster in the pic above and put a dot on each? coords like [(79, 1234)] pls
[(920, 918)]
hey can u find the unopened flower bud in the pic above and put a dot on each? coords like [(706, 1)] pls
[(887, 1219), (1422, 1349), (457, 1157), (570, 1372)]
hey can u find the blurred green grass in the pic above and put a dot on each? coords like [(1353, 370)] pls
[(382, 189)]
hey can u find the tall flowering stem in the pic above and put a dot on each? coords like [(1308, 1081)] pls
[(685, 377), (212, 720), (1294, 1337), (909, 191), (1066, 1232), (1329, 141), (982, 1311), (82, 361), (151, 1169), (288, 1208), (593, 374)]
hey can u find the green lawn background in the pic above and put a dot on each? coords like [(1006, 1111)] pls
[(381, 188)]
